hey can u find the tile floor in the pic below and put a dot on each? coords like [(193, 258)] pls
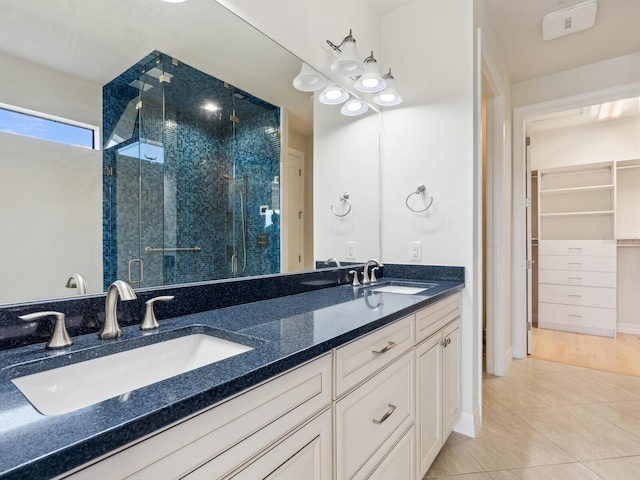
[(546, 420)]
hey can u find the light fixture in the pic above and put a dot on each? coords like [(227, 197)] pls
[(211, 107), (611, 110), (354, 107), (309, 80), (389, 96), (348, 63), (333, 94), (370, 81)]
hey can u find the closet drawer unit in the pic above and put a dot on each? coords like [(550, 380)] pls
[(591, 320), (573, 295), (587, 279), (431, 319), (573, 248), (363, 357), (371, 419), (577, 264)]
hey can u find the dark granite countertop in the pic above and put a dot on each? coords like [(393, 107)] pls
[(284, 332)]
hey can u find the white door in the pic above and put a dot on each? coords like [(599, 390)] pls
[(528, 209), (293, 210)]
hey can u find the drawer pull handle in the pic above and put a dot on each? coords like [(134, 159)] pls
[(392, 408), (574, 295), (576, 316), (385, 349)]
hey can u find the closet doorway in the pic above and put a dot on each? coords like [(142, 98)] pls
[(585, 236)]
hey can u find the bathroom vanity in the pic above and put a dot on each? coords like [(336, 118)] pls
[(340, 382)]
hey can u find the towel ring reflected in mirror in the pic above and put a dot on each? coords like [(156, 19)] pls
[(343, 198), (420, 190)]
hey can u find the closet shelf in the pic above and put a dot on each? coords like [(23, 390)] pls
[(590, 188), (577, 214)]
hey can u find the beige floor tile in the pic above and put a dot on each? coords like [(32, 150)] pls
[(567, 471), (580, 432), (626, 384), (453, 459), (625, 415), (490, 403), (627, 468), (584, 386), (523, 391), (507, 442), (467, 476)]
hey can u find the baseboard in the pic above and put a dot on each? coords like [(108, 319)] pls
[(468, 424), (564, 327), (632, 328)]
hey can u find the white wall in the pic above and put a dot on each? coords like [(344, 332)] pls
[(590, 78), (616, 139), (430, 138), (51, 193), (346, 153)]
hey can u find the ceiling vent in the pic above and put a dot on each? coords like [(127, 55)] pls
[(570, 20)]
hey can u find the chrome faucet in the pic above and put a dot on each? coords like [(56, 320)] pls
[(334, 260), (110, 327), (78, 282), (365, 274)]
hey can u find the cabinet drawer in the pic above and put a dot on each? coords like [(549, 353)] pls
[(586, 279), (577, 264), (432, 318), (242, 425), (363, 357), (400, 464), (588, 248), (387, 399), (572, 295), (305, 454), (572, 318)]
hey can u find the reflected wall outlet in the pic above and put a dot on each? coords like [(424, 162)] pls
[(415, 251), (351, 250)]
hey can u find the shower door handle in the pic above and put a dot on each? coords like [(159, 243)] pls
[(141, 269)]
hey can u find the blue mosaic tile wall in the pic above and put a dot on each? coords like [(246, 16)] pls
[(164, 184)]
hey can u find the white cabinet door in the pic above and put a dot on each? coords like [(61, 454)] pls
[(400, 464), (429, 360), (304, 455), (452, 376)]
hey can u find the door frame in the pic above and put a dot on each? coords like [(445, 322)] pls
[(521, 118), (497, 211)]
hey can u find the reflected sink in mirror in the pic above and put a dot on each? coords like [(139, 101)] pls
[(72, 387)]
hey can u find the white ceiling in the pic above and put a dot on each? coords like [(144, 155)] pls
[(518, 27), (99, 39)]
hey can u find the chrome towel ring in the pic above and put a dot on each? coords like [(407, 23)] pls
[(343, 198), (421, 189)]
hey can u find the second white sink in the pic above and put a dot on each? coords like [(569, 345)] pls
[(69, 388)]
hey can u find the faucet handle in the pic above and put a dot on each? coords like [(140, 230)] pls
[(355, 283), (60, 338), (373, 274), (150, 322)]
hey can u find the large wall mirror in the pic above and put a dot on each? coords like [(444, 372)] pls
[(62, 206)]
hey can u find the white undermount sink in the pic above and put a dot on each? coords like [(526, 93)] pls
[(69, 388), (399, 289)]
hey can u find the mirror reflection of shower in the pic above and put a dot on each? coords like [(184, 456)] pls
[(242, 191)]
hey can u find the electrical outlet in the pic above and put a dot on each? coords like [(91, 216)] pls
[(415, 251), (351, 250)]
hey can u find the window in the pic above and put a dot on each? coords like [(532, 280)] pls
[(47, 127)]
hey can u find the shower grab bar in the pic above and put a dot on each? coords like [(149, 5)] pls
[(172, 249), (421, 189)]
